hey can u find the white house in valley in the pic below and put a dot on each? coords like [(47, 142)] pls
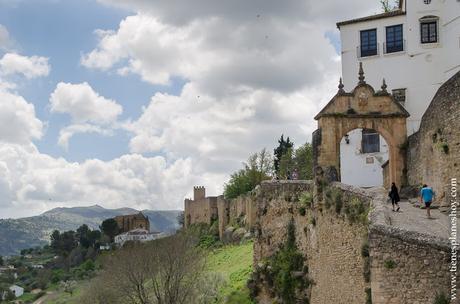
[(415, 48), (16, 290), (136, 235)]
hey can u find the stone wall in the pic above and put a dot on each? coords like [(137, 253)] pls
[(433, 153), (331, 244), (406, 266), (401, 266), (240, 211), (404, 271), (202, 210)]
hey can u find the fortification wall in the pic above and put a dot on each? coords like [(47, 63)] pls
[(330, 243), (202, 210), (433, 153), (240, 212), (406, 266), (400, 267)]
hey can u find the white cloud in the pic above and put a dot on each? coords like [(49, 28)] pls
[(37, 182), (253, 70), (66, 133), (17, 116), (30, 67), (90, 112), (83, 104)]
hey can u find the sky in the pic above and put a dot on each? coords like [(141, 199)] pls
[(130, 103)]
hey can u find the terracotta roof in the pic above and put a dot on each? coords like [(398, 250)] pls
[(393, 13)]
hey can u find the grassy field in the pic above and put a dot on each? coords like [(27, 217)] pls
[(234, 264)]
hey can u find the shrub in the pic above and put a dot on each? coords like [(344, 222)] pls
[(368, 296), (367, 261), (356, 211), (238, 297), (444, 147), (338, 202), (302, 211), (389, 264), (441, 298), (306, 199), (88, 266), (286, 261), (207, 241), (365, 249)]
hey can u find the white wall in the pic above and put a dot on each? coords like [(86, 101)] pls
[(353, 167), (17, 290), (421, 69)]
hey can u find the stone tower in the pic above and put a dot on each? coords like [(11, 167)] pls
[(199, 193)]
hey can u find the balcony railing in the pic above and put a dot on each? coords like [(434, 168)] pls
[(393, 47), (360, 52)]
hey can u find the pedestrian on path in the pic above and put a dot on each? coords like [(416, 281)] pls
[(426, 196), (394, 196)]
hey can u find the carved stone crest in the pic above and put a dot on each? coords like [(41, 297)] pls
[(362, 99)]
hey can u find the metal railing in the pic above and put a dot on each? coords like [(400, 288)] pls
[(368, 52), (394, 48)]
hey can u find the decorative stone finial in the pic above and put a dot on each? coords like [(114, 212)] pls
[(341, 90), (384, 87), (361, 74)]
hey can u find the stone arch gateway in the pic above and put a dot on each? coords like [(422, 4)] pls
[(362, 108)]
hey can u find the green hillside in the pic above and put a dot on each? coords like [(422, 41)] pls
[(234, 263), (22, 233)]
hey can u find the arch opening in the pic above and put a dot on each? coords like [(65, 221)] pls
[(363, 153)]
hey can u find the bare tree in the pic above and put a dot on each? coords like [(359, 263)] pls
[(387, 6), (165, 271), (176, 267)]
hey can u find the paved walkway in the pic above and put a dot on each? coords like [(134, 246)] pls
[(415, 219)]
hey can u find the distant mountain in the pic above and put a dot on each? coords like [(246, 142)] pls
[(21, 233)]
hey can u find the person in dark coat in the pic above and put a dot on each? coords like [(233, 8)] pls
[(394, 196)]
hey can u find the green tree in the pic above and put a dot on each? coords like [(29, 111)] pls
[(181, 219), (387, 6), (83, 236), (55, 240), (256, 169), (286, 164), (303, 158), (1, 261), (110, 228), (283, 147)]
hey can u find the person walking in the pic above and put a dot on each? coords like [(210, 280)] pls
[(426, 196), (394, 196)]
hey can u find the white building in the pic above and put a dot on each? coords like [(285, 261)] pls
[(17, 290), (416, 48), (136, 235)]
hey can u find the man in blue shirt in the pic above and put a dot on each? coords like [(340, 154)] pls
[(426, 196)]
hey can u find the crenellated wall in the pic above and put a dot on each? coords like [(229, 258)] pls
[(202, 209)]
